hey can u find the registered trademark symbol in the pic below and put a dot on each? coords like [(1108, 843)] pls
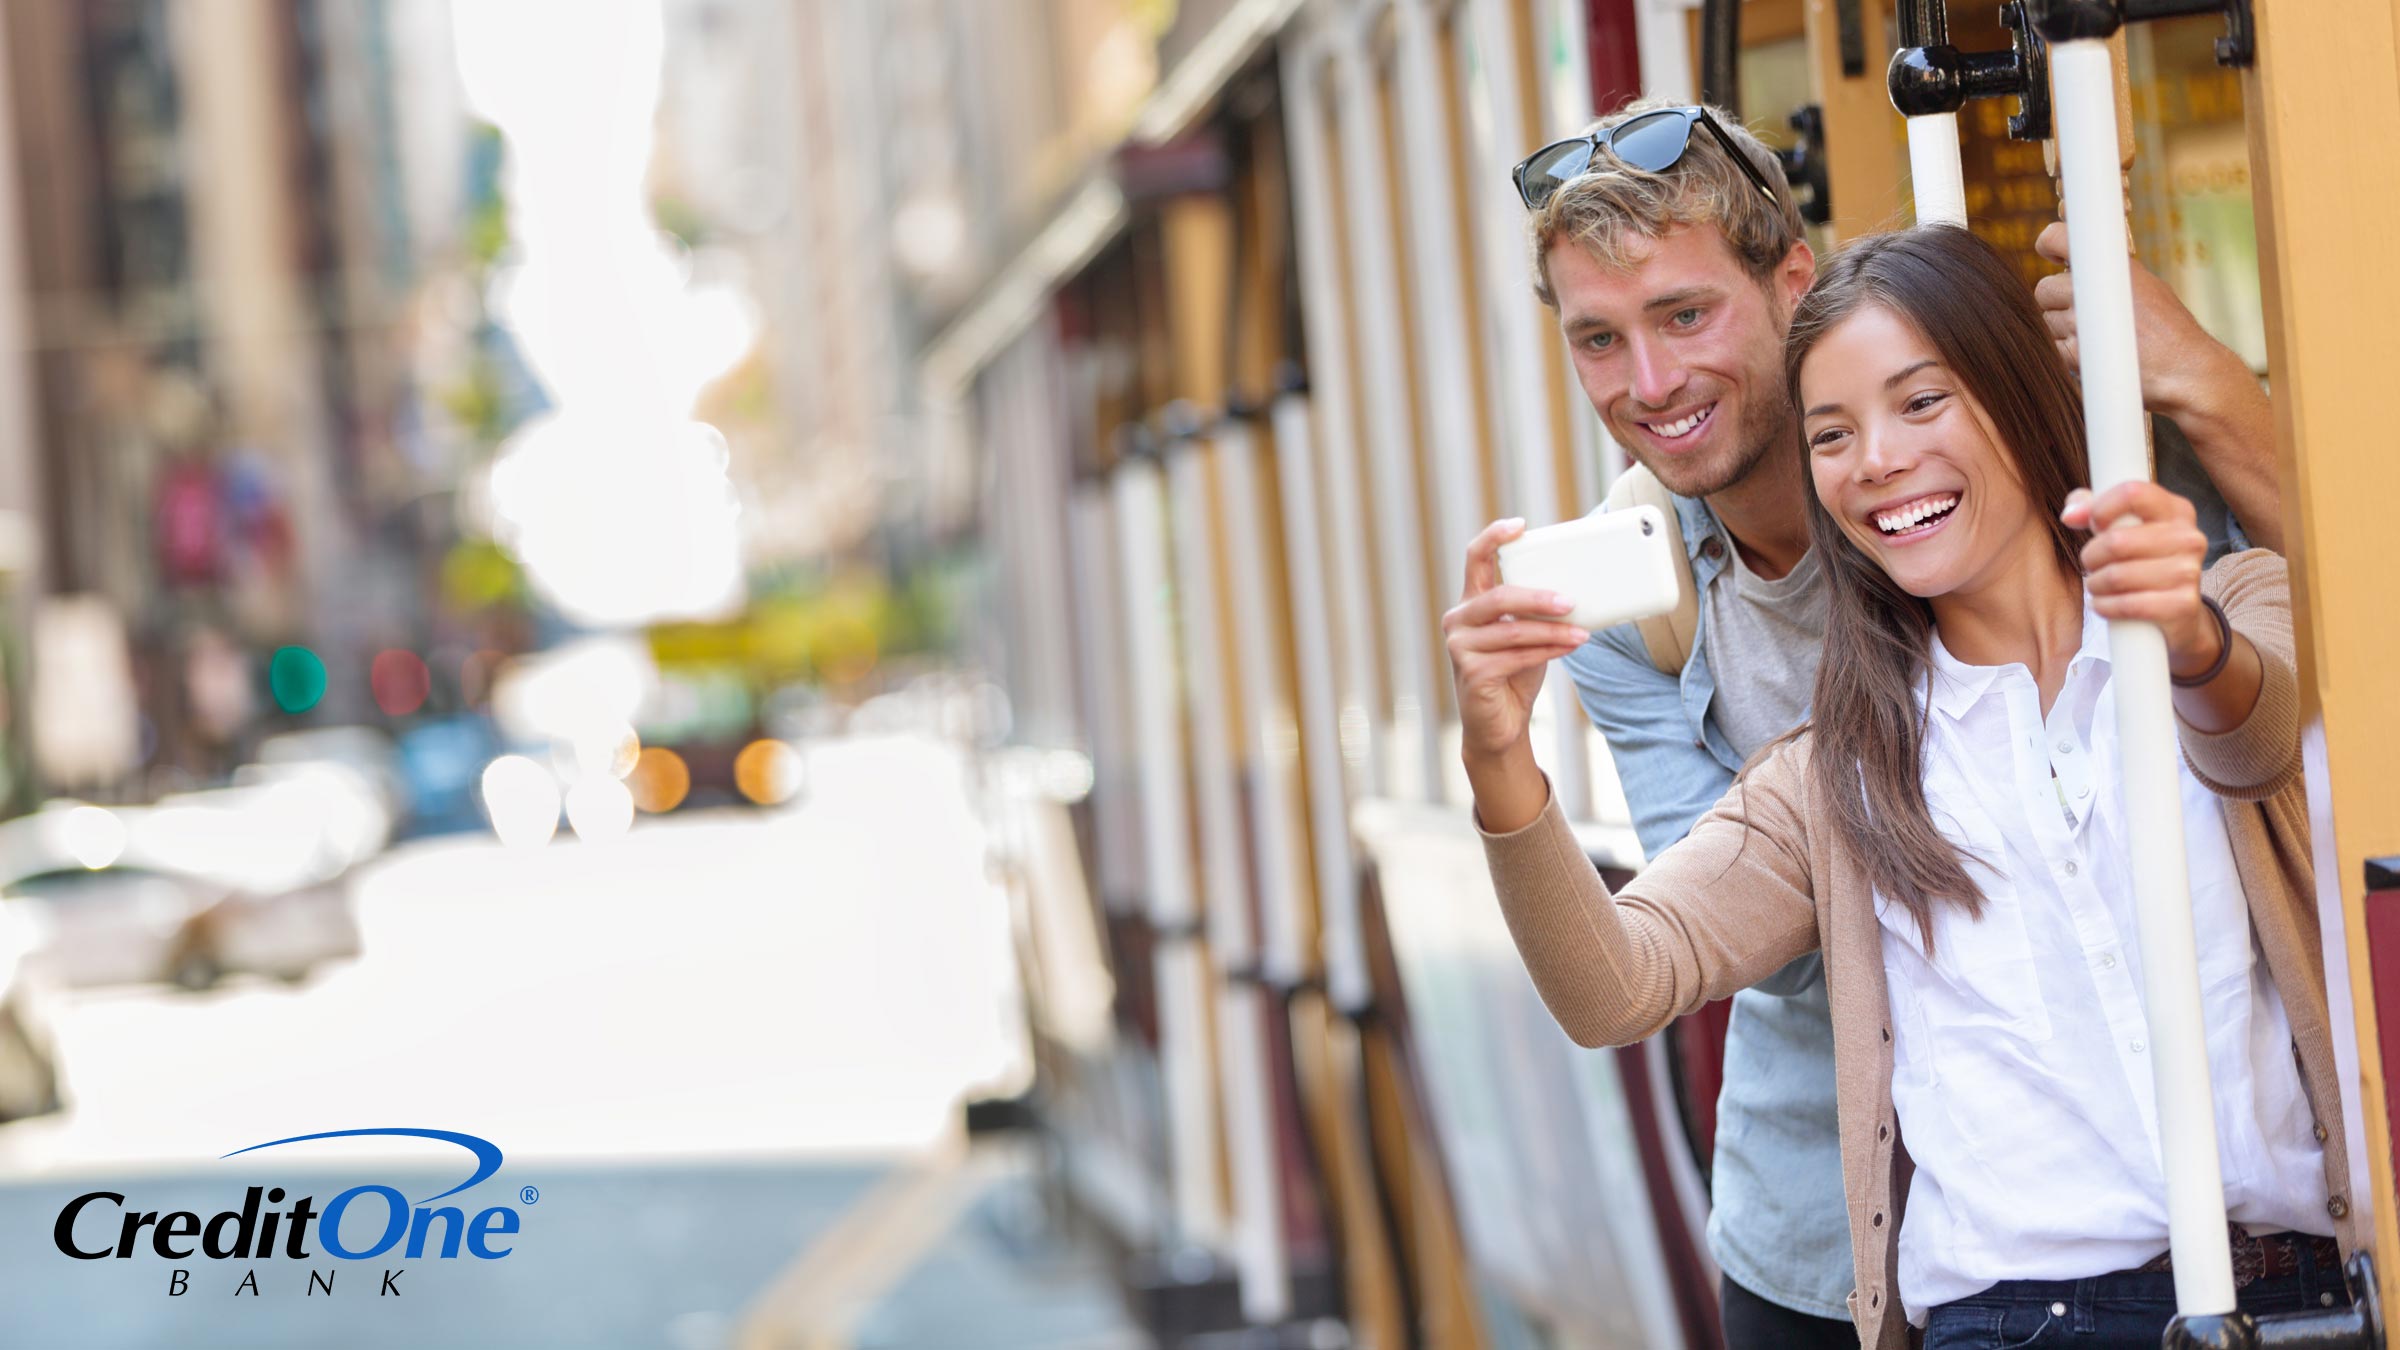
[(529, 1195)]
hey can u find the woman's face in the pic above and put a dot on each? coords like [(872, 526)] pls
[(1905, 459)]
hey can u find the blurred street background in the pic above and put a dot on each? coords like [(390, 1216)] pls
[(486, 644), (709, 1046)]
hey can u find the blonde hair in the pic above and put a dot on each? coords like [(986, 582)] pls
[(1615, 203)]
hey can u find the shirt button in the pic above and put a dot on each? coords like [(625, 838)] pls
[(1699, 744), (1714, 548), (1879, 1218), (2083, 792), (2320, 1134), (2337, 1207), (1887, 1034), (2108, 961), (2139, 1047), (2070, 869), (2066, 747), (1883, 1132)]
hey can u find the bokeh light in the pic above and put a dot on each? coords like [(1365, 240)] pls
[(768, 772), (521, 798), (849, 649), (660, 780), (600, 809), (590, 687), (94, 835), (400, 681), (606, 750), (296, 678)]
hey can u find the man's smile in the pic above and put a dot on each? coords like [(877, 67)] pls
[(1680, 428)]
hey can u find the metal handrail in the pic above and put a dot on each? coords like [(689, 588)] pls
[(1930, 80)]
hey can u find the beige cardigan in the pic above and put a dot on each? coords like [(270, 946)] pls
[(1760, 881)]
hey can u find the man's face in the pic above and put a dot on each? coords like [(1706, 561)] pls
[(1682, 352)]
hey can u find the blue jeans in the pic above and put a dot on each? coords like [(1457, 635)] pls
[(2128, 1310)]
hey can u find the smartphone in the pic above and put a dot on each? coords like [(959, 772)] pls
[(1617, 566)]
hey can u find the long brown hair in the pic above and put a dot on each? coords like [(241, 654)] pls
[(1868, 725)]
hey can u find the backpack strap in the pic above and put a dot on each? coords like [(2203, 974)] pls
[(1668, 636)]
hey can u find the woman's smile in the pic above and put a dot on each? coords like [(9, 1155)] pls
[(1916, 518)]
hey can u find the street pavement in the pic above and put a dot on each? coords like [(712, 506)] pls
[(702, 1049)]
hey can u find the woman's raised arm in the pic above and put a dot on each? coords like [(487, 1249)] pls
[(1729, 906)]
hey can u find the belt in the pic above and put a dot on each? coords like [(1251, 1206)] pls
[(2264, 1257)]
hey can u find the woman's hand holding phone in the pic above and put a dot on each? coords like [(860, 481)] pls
[(1499, 638)]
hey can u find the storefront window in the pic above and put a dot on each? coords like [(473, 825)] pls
[(2192, 218)]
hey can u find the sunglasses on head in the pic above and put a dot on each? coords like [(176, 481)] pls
[(1651, 142)]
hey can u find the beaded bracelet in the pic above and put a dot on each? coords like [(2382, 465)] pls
[(2224, 650)]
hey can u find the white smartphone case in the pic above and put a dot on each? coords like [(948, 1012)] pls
[(1616, 566)]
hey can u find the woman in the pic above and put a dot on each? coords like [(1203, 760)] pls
[(1947, 831)]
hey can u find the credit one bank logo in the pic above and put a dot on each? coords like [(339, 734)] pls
[(362, 1223)]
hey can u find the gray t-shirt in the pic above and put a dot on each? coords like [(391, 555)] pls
[(1776, 1223), (1763, 641)]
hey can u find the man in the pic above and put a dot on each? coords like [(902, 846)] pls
[(1674, 287)]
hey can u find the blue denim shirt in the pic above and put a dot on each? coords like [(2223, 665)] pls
[(1777, 1224)]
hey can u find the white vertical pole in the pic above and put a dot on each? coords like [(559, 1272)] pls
[(1436, 257), (1934, 173), (1409, 650), (1533, 430), (1329, 374), (1225, 877), (1666, 44), (1564, 85), (1029, 372), (1567, 82), (2090, 169), (1346, 980), (1092, 556), (1436, 263), (1199, 1215), (1567, 93), (1268, 728)]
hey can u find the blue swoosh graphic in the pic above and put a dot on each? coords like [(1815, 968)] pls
[(487, 1153)]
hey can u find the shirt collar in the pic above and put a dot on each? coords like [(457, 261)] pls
[(1957, 686), (1696, 521)]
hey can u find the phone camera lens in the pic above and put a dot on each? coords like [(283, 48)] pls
[(1645, 527)]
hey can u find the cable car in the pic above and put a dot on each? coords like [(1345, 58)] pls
[(1244, 396)]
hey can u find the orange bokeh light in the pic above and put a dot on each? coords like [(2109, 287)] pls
[(767, 772), (659, 780)]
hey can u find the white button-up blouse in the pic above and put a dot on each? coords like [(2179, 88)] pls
[(2021, 1073)]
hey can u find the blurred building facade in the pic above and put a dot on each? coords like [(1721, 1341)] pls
[(231, 212), (762, 173), (20, 480), (868, 161)]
